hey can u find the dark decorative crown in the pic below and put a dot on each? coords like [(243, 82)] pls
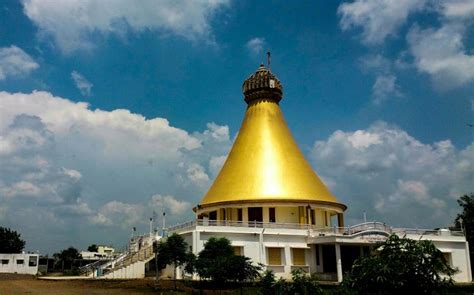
[(262, 85)]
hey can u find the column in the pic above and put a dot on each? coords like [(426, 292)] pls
[(338, 263), (340, 220), (288, 262)]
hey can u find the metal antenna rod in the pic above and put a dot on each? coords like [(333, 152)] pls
[(269, 60)]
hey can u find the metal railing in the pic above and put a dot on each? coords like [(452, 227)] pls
[(373, 226)]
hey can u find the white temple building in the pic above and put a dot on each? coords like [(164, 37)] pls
[(271, 205)]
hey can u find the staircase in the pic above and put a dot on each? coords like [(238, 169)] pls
[(128, 265), (131, 266)]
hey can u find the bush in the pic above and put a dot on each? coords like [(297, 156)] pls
[(301, 283), (218, 263), (400, 265)]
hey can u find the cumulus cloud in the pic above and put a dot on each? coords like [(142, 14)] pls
[(170, 203), (15, 62), (441, 54), (395, 177), (71, 166), (457, 9), (437, 51), (255, 45), (82, 83), (74, 24), (377, 18), (119, 213), (384, 88)]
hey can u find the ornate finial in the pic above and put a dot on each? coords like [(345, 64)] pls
[(263, 84)]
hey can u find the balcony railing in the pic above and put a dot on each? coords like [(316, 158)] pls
[(376, 227)]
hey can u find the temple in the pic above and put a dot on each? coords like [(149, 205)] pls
[(272, 206), (266, 178)]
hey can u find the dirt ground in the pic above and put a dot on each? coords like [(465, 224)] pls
[(24, 284)]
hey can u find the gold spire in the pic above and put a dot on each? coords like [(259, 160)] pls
[(265, 164)]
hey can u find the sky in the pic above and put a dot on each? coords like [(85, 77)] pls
[(112, 111)]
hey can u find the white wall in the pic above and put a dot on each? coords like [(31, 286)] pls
[(255, 241), (14, 267)]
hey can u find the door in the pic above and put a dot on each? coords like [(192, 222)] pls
[(255, 214)]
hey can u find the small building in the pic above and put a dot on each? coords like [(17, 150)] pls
[(19, 263), (102, 252)]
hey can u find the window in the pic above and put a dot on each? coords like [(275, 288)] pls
[(239, 214), (447, 258), (33, 261), (274, 256), (213, 215), (5, 261), (299, 257), (20, 261), (271, 215), (255, 214), (313, 217), (238, 250)]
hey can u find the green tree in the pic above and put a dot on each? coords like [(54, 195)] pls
[(465, 221), (68, 255), (65, 260), (10, 241), (173, 250), (93, 248), (400, 265), (218, 263)]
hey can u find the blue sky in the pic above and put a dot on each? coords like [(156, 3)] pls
[(378, 95)]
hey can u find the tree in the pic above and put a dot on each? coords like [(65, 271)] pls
[(172, 251), (65, 259), (218, 263), (93, 248), (465, 221), (68, 255), (10, 241), (400, 265)]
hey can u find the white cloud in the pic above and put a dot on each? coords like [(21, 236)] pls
[(15, 62), (395, 177), (441, 54), (119, 213), (362, 140), (66, 164), (170, 204), (377, 18), (82, 83), (75, 24), (197, 174), (457, 9), (376, 63), (384, 88), (255, 45), (216, 163), (438, 52)]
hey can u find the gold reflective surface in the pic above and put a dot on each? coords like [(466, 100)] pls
[(266, 164)]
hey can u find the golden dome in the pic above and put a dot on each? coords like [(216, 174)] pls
[(265, 164)]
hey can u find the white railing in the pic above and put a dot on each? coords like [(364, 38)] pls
[(373, 226)]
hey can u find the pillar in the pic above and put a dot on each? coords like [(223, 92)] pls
[(338, 263), (340, 220), (288, 262)]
